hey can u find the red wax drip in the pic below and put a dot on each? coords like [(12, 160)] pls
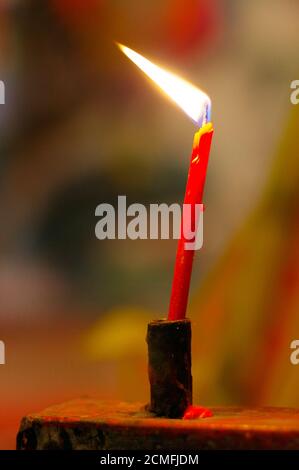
[(193, 195), (194, 412)]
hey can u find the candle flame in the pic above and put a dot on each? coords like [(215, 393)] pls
[(195, 103)]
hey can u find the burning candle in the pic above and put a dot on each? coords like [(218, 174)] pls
[(169, 341), (197, 106)]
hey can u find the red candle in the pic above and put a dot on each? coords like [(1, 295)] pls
[(197, 106), (193, 195)]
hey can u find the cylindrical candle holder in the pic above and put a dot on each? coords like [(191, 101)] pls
[(169, 367)]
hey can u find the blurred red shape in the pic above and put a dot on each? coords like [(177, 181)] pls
[(194, 412), (192, 24)]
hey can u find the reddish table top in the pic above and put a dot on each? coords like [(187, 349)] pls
[(95, 424)]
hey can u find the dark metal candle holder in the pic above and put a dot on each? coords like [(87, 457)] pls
[(169, 367)]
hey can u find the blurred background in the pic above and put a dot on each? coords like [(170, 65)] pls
[(81, 126)]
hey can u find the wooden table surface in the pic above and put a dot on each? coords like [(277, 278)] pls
[(95, 424)]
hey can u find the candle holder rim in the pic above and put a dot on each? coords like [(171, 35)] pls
[(161, 321)]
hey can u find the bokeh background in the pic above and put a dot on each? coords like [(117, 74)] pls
[(81, 126)]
